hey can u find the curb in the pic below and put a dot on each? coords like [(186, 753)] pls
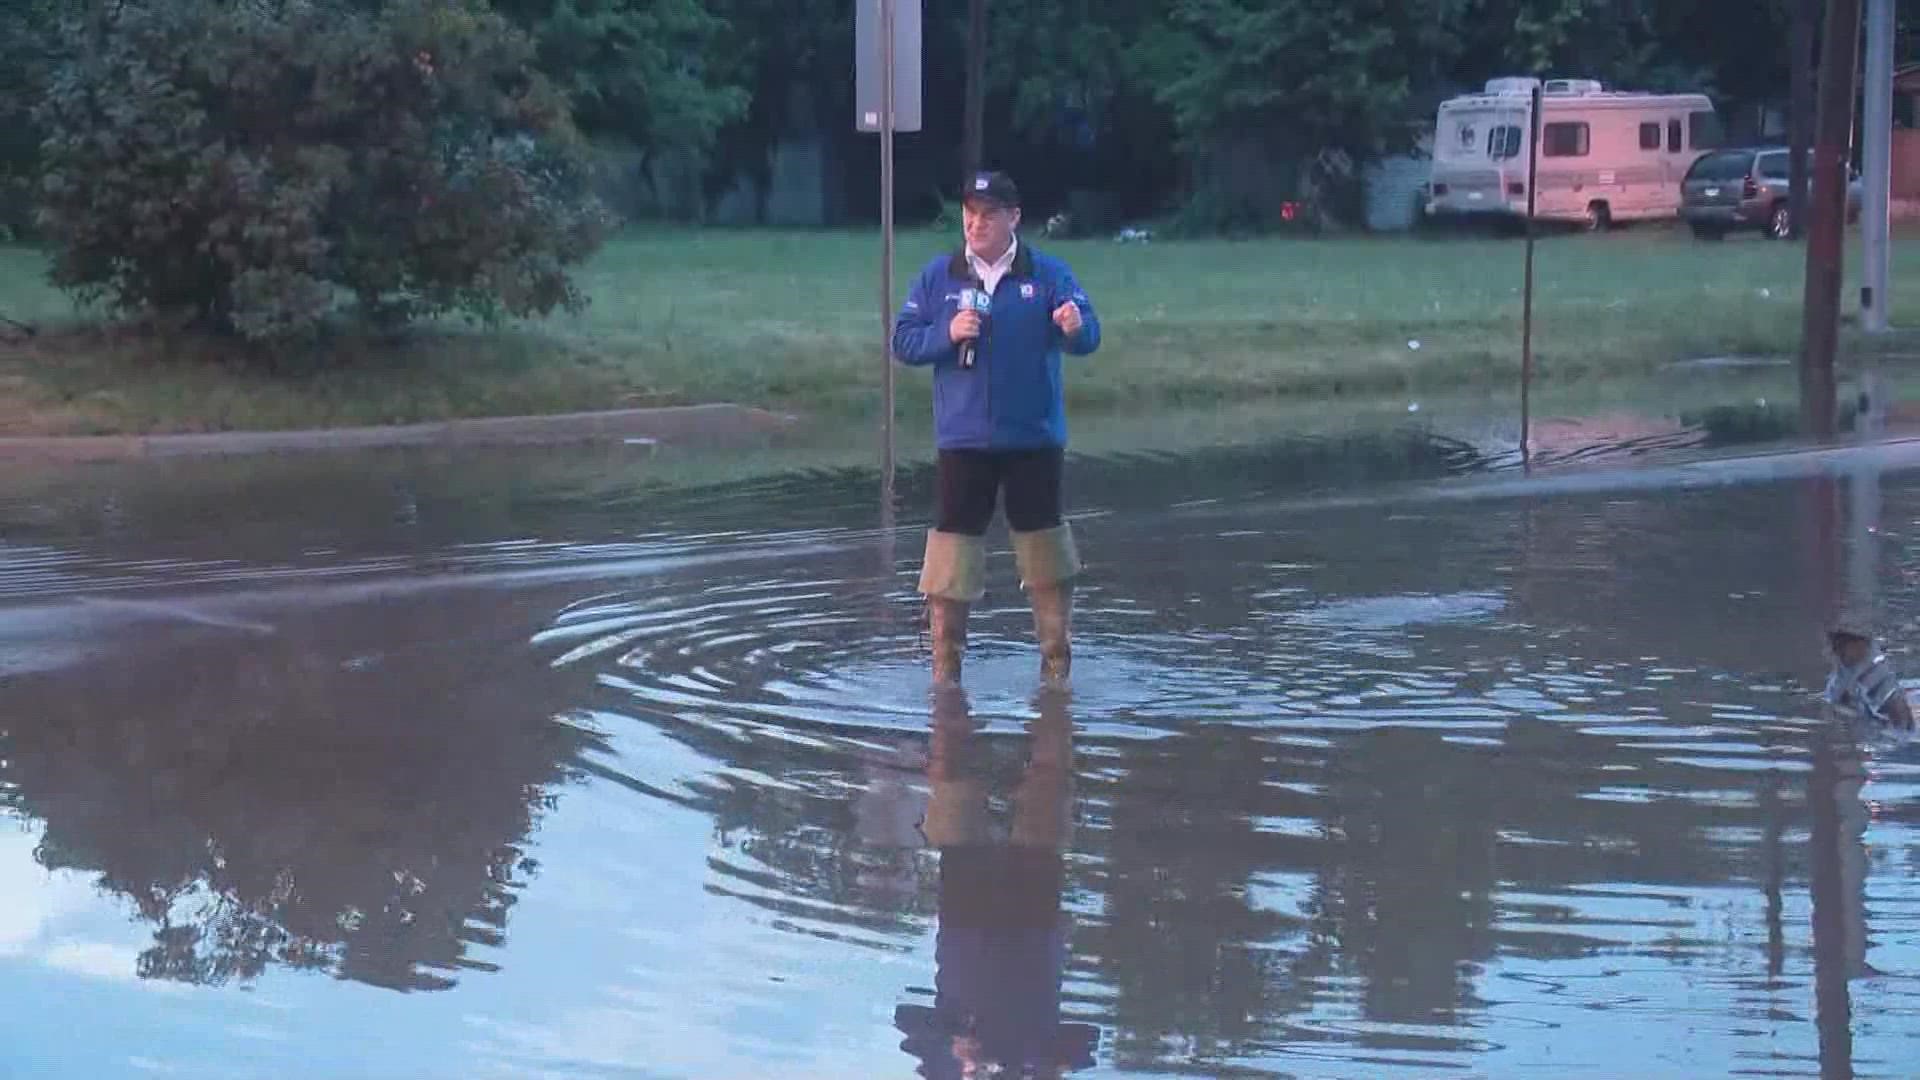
[(717, 425)]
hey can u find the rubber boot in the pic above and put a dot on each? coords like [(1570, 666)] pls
[(1053, 628), (953, 578), (947, 625), (1049, 562)]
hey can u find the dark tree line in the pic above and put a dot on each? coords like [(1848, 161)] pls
[(252, 167)]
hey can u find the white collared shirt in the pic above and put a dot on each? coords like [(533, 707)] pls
[(991, 272)]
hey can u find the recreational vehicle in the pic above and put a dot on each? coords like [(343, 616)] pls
[(1605, 155)]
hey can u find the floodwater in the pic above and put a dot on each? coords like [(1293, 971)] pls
[(1381, 759)]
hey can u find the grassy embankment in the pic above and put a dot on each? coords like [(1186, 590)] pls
[(790, 320)]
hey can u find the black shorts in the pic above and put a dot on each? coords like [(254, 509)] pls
[(970, 482)]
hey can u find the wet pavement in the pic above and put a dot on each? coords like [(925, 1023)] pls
[(1381, 759)]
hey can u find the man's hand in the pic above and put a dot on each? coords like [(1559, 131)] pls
[(1067, 318), (964, 325)]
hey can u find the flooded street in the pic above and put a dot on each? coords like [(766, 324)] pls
[(1380, 760)]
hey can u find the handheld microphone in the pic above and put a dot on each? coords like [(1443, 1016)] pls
[(974, 298)]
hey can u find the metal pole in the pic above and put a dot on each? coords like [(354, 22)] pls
[(1876, 167), (1826, 233), (886, 250), (1526, 308)]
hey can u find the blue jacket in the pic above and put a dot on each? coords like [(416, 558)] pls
[(1011, 399)]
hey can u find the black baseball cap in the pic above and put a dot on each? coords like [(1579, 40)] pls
[(992, 188)]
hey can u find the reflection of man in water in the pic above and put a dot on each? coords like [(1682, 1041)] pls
[(1001, 948)]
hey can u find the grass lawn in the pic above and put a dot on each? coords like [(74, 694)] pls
[(791, 320)]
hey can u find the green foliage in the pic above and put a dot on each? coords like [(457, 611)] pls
[(1078, 88), (1577, 35), (1221, 99), (1213, 210), (1076, 52), (1289, 72), (651, 72), (770, 48), (1674, 45), (1256, 86), (241, 168), (26, 55)]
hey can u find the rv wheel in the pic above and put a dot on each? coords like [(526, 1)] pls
[(1599, 218)]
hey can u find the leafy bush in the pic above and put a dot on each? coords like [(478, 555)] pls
[(25, 55), (245, 166)]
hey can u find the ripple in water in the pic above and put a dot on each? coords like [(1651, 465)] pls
[(1427, 825)]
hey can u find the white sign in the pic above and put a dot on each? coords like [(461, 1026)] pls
[(867, 83)]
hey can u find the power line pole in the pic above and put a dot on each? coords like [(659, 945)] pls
[(1876, 165), (1826, 220)]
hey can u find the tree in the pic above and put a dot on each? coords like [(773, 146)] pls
[(1670, 45), (27, 42), (652, 73), (1101, 104), (773, 49), (1076, 56), (235, 168), (1262, 90)]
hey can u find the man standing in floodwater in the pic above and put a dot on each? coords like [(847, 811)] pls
[(1864, 681), (992, 320)]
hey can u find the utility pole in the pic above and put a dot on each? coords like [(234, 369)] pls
[(1876, 166), (1800, 110), (1826, 220), (974, 124)]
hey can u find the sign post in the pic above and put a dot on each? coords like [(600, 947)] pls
[(887, 55)]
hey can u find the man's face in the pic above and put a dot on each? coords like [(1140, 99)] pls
[(989, 228), (1850, 650)]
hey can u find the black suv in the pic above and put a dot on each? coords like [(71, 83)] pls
[(1746, 188)]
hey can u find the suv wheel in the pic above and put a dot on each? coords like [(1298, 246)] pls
[(1780, 222)]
